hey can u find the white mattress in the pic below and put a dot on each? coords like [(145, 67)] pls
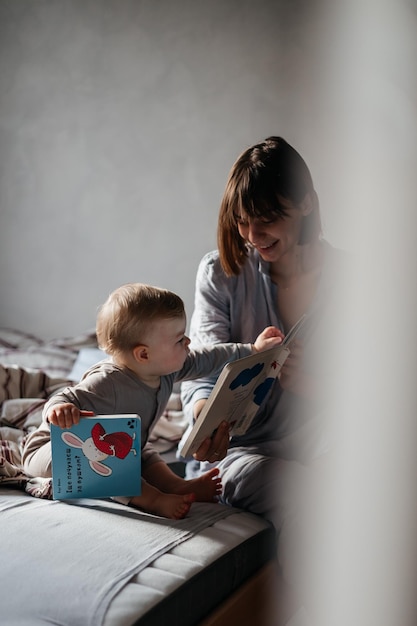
[(167, 573)]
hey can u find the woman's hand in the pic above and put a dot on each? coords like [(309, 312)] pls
[(215, 448), (63, 415), (269, 337)]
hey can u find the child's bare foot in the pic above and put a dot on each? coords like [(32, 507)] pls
[(207, 488), (168, 505)]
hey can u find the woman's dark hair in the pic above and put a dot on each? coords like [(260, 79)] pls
[(261, 178)]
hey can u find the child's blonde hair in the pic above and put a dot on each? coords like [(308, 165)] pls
[(124, 318)]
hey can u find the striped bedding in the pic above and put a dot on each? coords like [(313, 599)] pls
[(30, 371)]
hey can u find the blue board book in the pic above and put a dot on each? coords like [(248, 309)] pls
[(97, 458), (241, 388)]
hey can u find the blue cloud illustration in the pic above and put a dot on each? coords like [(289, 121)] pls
[(262, 391), (245, 376)]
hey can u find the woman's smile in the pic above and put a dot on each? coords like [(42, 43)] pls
[(266, 248)]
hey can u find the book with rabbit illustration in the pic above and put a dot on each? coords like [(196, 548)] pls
[(97, 458), (239, 392)]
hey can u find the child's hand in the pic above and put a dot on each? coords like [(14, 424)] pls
[(63, 415), (268, 338)]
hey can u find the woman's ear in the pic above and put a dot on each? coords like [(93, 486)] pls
[(141, 353), (307, 204), (310, 223)]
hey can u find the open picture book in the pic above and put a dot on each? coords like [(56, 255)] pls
[(239, 392), (98, 457)]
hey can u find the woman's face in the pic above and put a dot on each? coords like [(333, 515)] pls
[(273, 238)]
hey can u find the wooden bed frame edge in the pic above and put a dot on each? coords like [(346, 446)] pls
[(264, 599)]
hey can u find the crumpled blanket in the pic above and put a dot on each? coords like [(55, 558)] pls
[(19, 416), (31, 370)]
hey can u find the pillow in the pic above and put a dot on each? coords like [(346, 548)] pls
[(87, 357)]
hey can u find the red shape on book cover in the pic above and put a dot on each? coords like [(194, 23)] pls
[(112, 444)]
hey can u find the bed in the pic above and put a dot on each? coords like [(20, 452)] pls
[(99, 563)]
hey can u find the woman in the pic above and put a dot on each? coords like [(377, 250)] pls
[(271, 267)]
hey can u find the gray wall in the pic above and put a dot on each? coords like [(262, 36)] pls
[(119, 122)]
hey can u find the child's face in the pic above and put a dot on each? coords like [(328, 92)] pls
[(168, 345)]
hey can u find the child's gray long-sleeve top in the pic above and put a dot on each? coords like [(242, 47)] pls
[(109, 389)]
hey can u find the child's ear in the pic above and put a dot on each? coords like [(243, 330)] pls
[(141, 353)]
